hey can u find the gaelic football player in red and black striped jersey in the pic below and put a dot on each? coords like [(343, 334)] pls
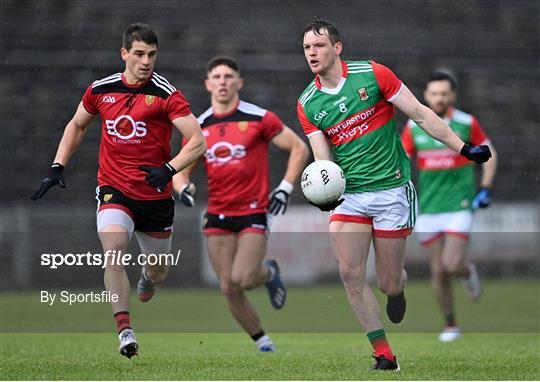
[(238, 134), (138, 109)]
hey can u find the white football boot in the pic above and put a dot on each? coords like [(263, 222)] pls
[(472, 284), (450, 333), (128, 344)]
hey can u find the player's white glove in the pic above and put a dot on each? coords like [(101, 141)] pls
[(186, 194), (279, 198)]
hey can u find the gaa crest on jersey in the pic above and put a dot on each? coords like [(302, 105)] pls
[(362, 92), (243, 126), (149, 99), (107, 197)]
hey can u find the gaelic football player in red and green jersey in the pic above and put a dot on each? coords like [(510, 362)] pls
[(447, 196), (347, 112)]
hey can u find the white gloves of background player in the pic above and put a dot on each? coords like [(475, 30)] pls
[(186, 194), (279, 198)]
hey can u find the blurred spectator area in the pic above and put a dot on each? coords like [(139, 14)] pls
[(52, 50)]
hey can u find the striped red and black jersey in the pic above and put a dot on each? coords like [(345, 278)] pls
[(136, 130), (236, 160)]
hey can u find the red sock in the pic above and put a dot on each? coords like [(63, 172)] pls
[(122, 321), (380, 344)]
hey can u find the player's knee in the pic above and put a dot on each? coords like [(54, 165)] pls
[(229, 289), (156, 274), (247, 281), (452, 267), (351, 273), (390, 287), (242, 279)]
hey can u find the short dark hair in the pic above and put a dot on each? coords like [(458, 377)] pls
[(139, 32), (318, 27), (223, 60), (440, 75)]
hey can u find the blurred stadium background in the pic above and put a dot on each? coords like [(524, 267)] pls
[(51, 50)]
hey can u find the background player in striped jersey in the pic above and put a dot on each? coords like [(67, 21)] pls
[(236, 224), (347, 113), (138, 109), (447, 196)]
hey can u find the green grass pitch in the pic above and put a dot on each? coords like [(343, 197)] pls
[(188, 334)]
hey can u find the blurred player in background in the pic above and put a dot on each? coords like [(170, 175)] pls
[(237, 221), (138, 109), (347, 113), (448, 196)]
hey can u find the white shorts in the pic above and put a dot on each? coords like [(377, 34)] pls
[(431, 227), (392, 213)]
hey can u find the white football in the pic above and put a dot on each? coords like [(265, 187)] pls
[(323, 182)]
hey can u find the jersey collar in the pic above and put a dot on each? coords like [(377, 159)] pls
[(231, 112), (345, 72), (137, 85)]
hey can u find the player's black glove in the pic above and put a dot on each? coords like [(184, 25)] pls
[(328, 206), (479, 154), (279, 198), (186, 194), (159, 177), (482, 198), (54, 178)]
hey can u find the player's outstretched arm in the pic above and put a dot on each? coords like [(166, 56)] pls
[(298, 153), (434, 126), (73, 136)]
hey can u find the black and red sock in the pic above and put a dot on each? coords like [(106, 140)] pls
[(122, 321), (450, 320)]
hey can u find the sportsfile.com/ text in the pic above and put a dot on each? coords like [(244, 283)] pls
[(55, 260)]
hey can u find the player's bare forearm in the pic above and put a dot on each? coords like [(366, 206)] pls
[(73, 135), (489, 169), (297, 161), (320, 147), (195, 147), (182, 177), (434, 126), (424, 117), (192, 151), (298, 153)]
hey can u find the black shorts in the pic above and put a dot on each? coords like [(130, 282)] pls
[(148, 215), (223, 225)]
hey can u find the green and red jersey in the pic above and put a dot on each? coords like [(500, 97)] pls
[(357, 118), (446, 179)]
